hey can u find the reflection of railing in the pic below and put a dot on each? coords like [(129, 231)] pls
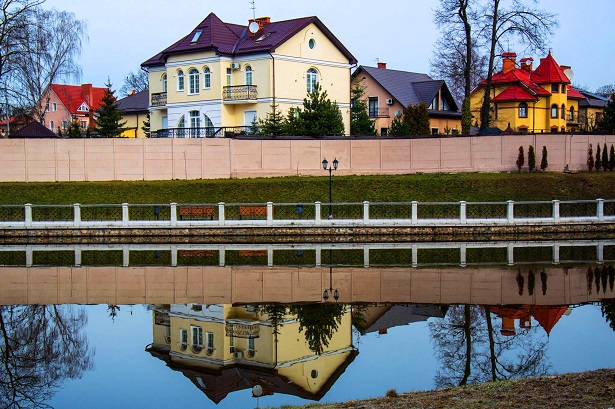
[(239, 92)]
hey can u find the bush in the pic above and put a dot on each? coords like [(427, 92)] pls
[(391, 393), (531, 159), (598, 161), (544, 162), (605, 158), (612, 159), (590, 158), (520, 159)]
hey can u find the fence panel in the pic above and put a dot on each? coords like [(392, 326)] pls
[(294, 211), (578, 208), (246, 211), (342, 211), (201, 211), (148, 212), (101, 212), (11, 213), (444, 210), (486, 210), (524, 210), (52, 213), (609, 207), (390, 211)]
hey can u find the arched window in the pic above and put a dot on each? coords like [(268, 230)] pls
[(209, 126), (312, 79), (164, 82), (206, 78), (571, 114), (248, 75), (181, 127), (193, 80), (563, 113), (523, 110), (180, 80), (554, 111)]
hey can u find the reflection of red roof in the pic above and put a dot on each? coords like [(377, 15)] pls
[(547, 316), (549, 72), (515, 93), (72, 96)]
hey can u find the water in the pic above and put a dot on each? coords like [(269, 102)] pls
[(108, 333)]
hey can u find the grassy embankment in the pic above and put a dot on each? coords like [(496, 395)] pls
[(421, 187)]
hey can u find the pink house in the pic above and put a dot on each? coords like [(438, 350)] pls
[(72, 101)]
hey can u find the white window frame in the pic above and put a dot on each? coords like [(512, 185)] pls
[(196, 338), (232, 344), (180, 81), (164, 82), (52, 125), (83, 107), (84, 125), (183, 339), (251, 351), (64, 124), (229, 77), (248, 70), (54, 107), (209, 343), (206, 78), (193, 81), (311, 79)]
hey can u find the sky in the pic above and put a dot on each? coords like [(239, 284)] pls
[(123, 34)]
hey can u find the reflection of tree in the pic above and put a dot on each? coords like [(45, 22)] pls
[(113, 309), (472, 349), (275, 313), (608, 311), (40, 346), (320, 322)]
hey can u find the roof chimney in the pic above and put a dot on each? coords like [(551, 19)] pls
[(382, 65), (86, 93), (508, 62), (526, 64)]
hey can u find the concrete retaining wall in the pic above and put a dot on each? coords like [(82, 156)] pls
[(48, 160)]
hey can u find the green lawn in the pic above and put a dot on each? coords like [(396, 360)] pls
[(404, 188)]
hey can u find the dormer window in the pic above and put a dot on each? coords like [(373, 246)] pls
[(196, 36), (83, 107)]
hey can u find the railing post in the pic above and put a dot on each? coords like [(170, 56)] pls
[(29, 256), (221, 214), (415, 255), (173, 256), (78, 256), (600, 253), (365, 211), (510, 254), (556, 210), (317, 218), (125, 216), (556, 254), (269, 256), (510, 211), (463, 253), (415, 211), (222, 257), (269, 213), (366, 257), (173, 214), (600, 209), (125, 256), (28, 214), (318, 256), (77, 214), (462, 211)]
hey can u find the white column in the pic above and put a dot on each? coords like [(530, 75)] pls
[(365, 211), (511, 254), (221, 214), (28, 214), (317, 211), (600, 209), (463, 254), (415, 211), (173, 256), (173, 214), (510, 211), (125, 214), (77, 214), (269, 213), (556, 210), (556, 254), (462, 211)]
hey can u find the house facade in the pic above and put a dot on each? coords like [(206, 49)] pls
[(72, 102), (591, 109), (223, 348), (389, 92), (531, 100), (222, 76), (134, 108)]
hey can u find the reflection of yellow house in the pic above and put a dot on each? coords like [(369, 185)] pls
[(529, 100), (223, 349), (134, 110), (220, 77)]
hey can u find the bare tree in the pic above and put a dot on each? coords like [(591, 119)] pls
[(529, 26), (52, 44), (16, 15), (134, 82)]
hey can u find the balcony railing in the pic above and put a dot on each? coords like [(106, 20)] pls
[(379, 112), (159, 99), (206, 132), (239, 93)]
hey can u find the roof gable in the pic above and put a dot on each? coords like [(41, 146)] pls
[(134, 103), (549, 71), (517, 93), (74, 96), (33, 130)]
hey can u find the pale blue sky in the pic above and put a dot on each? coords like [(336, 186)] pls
[(123, 34)]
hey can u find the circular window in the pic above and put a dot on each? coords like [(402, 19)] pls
[(314, 374), (312, 43)]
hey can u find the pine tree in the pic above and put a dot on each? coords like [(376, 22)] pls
[(612, 159), (320, 116), (605, 158), (590, 158), (422, 120), (292, 123), (544, 162), (520, 159), (146, 126), (608, 117), (598, 158), (466, 117), (74, 131), (531, 158), (108, 119), (398, 126), (273, 124), (360, 123)]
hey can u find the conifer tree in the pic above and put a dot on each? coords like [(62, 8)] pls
[(598, 158), (108, 119), (292, 123), (608, 117), (146, 126), (605, 158), (544, 162), (273, 124), (398, 126), (590, 158), (320, 116), (612, 159), (422, 120), (466, 117), (74, 131), (531, 158), (520, 159), (360, 123)]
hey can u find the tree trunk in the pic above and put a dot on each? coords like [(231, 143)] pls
[(485, 111)]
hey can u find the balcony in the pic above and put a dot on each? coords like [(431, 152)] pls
[(240, 93), (379, 112), (204, 132), (159, 99)]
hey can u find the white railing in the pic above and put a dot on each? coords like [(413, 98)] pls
[(316, 214)]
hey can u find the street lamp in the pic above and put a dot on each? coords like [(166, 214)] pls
[(325, 294), (325, 163)]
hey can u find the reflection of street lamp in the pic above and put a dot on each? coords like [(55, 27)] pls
[(325, 163), (325, 294)]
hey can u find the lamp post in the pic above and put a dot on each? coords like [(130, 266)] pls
[(325, 163), (325, 294)]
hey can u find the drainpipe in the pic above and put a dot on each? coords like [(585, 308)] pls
[(273, 76), (534, 118)]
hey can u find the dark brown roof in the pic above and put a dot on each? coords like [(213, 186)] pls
[(234, 39), (33, 130), (135, 103)]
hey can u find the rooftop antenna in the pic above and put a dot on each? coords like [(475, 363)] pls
[(253, 27)]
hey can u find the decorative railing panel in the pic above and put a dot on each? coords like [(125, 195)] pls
[(159, 99), (239, 93)]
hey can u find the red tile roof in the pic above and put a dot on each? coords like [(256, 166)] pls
[(515, 93), (549, 72), (234, 39), (72, 96), (574, 94)]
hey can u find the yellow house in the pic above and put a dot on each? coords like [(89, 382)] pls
[(134, 108), (221, 77), (224, 348), (529, 100)]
